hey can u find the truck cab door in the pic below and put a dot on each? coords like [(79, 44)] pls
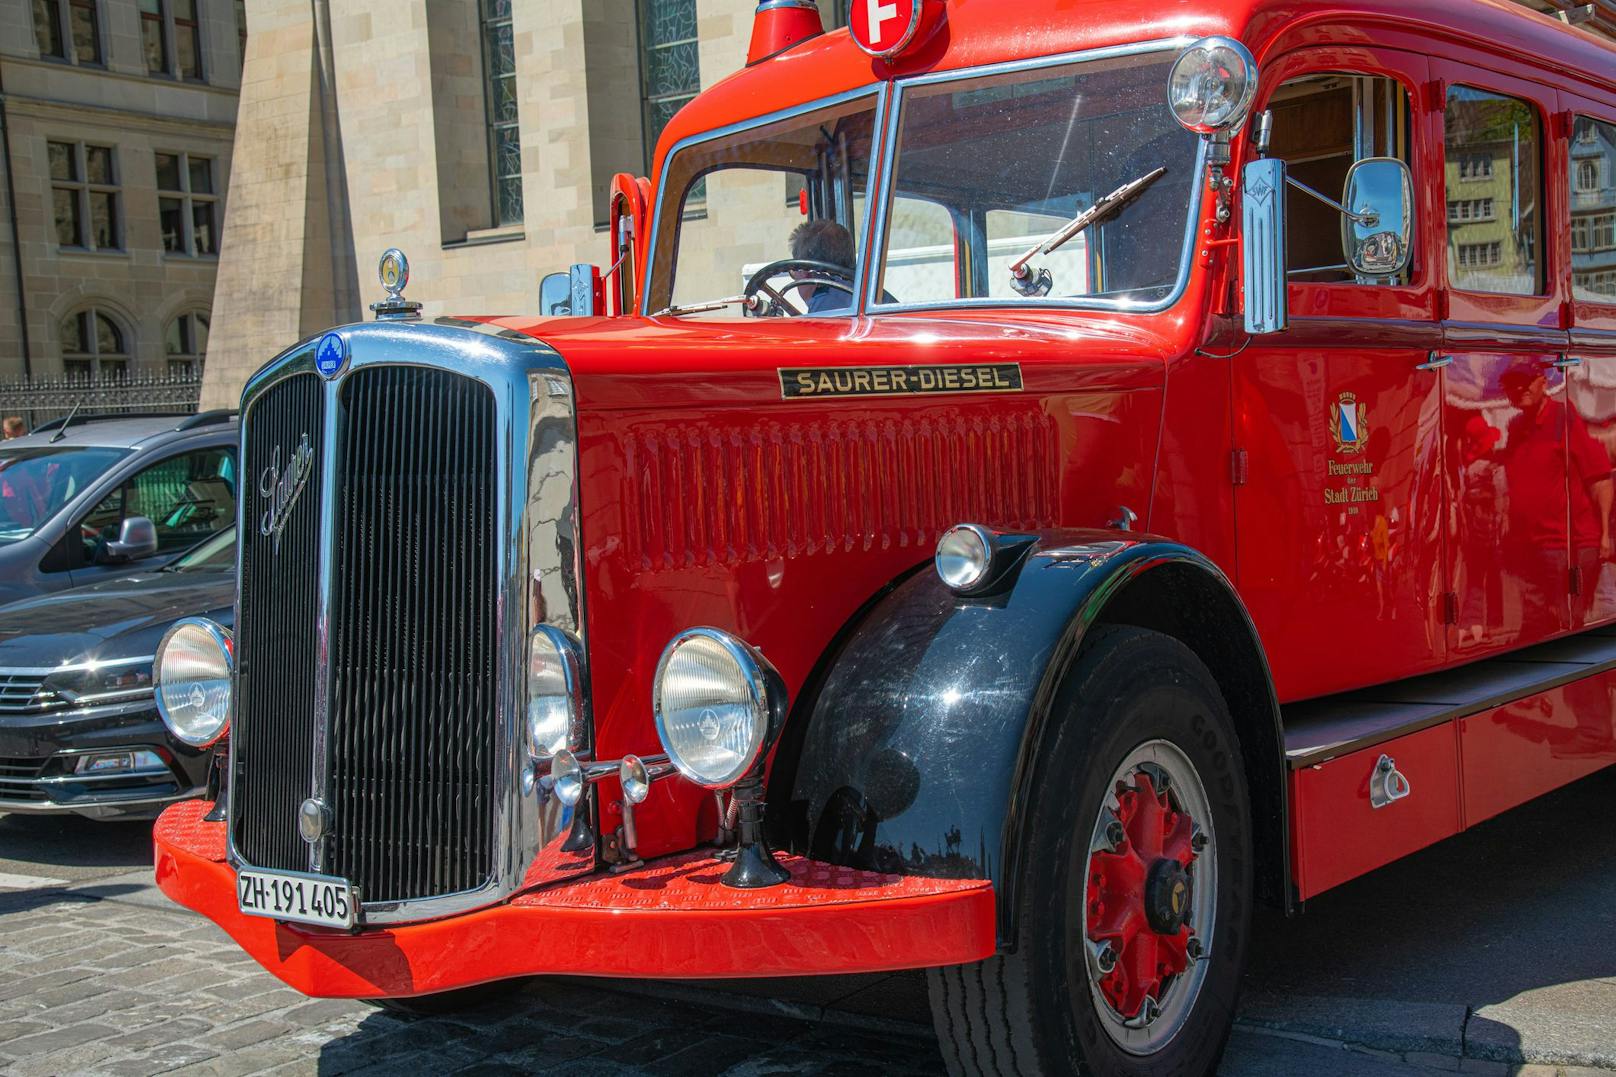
[(1505, 415), (1339, 523), (1587, 136)]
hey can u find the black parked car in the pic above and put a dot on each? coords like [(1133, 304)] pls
[(79, 729)]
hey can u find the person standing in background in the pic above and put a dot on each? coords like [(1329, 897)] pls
[(13, 427)]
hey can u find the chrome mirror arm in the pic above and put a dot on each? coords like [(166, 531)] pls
[(1368, 220)]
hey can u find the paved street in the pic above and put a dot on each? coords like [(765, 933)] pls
[(1491, 953)]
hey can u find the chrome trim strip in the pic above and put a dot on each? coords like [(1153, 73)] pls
[(320, 750), (42, 671), (871, 298), (536, 423), (879, 91), (76, 779)]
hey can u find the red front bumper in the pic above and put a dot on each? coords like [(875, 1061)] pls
[(670, 919)]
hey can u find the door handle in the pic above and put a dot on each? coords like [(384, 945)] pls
[(1435, 362), (1564, 362)]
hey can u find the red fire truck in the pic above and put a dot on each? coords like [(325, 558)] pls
[(1033, 481)]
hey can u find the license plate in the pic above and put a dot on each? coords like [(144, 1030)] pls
[(301, 899)]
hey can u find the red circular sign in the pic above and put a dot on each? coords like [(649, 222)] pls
[(884, 28)]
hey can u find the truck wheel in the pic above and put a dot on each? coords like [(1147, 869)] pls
[(1135, 889)]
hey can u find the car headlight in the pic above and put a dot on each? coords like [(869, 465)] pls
[(553, 691), (193, 667), (717, 703), (95, 685), (1212, 85)]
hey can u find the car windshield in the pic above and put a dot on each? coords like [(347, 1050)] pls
[(1001, 184), (787, 197), (35, 483), (210, 555)]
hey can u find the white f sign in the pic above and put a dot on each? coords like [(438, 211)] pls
[(879, 15)]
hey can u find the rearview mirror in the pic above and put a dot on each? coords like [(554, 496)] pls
[(137, 539), (555, 296), (577, 294), (1377, 229)]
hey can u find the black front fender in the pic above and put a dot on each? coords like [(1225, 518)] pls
[(918, 754)]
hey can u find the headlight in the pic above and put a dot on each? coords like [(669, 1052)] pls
[(95, 685), (963, 557), (192, 670), (715, 700), (1212, 85), (553, 691)]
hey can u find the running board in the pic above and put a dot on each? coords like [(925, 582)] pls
[(1318, 730)]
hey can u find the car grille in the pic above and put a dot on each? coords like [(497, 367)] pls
[(413, 642), (16, 692), (17, 777), (276, 652)]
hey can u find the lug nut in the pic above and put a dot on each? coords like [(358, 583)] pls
[(1198, 840), (1115, 835), (1105, 958), (1194, 949)]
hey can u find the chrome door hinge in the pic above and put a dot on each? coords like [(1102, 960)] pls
[(1239, 467), (1450, 607)]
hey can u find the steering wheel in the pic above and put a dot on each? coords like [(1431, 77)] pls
[(825, 275)]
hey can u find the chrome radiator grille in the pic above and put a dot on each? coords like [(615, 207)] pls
[(414, 636), (277, 653)]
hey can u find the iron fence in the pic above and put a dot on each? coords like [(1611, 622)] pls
[(42, 399)]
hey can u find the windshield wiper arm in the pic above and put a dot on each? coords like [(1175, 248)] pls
[(1096, 213), (750, 302)]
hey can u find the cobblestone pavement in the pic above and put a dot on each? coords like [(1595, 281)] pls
[(1415, 970)]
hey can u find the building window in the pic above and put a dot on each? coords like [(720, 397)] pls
[(1597, 286), (1475, 168), (670, 64), (74, 25), (1588, 175), (171, 38), (84, 196), (838, 14), (93, 347), (1480, 255), (504, 131), (241, 30), (1471, 209), (186, 343), (187, 207)]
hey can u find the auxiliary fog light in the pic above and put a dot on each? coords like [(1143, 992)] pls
[(1212, 85), (717, 703), (964, 555), (553, 691), (118, 762), (192, 673)]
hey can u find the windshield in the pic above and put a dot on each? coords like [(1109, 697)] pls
[(218, 552), (993, 167), (37, 481), (789, 196)]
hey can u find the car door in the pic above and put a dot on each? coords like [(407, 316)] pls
[(1505, 419), (1339, 536), (188, 496)]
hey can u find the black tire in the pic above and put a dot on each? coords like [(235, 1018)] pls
[(447, 1003), (1032, 1011)]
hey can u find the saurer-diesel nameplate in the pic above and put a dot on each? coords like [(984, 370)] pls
[(797, 382)]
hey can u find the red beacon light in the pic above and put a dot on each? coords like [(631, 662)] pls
[(887, 28), (780, 24)]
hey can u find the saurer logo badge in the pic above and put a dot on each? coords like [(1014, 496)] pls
[(281, 489)]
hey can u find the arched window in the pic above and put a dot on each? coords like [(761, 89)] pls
[(1588, 175), (187, 344), (94, 347)]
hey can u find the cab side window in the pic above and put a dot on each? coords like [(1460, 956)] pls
[(1494, 185), (1593, 211), (187, 497), (1323, 124), (922, 259)]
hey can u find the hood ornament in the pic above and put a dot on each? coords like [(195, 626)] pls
[(394, 271)]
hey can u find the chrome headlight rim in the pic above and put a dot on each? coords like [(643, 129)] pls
[(1239, 107), (759, 678), (570, 655), (222, 639)]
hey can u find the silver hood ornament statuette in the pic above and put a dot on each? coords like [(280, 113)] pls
[(394, 271)]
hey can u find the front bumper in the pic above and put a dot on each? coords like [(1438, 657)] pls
[(669, 919), (37, 753)]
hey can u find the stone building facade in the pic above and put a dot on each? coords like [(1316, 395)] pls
[(119, 121), (480, 136)]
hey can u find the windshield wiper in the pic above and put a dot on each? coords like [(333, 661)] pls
[(1030, 284), (750, 302)]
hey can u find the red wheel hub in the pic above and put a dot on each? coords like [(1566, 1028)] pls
[(1139, 895)]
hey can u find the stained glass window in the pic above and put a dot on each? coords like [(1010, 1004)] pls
[(504, 133), (670, 64)]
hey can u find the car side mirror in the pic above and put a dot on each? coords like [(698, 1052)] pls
[(1262, 246), (577, 294), (137, 539), (555, 296), (1377, 229)]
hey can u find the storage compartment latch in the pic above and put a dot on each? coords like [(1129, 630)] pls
[(1387, 784)]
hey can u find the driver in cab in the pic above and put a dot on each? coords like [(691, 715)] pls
[(828, 242)]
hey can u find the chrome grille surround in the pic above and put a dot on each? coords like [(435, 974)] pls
[(537, 562)]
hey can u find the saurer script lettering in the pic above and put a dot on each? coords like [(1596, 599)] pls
[(281, 490)]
